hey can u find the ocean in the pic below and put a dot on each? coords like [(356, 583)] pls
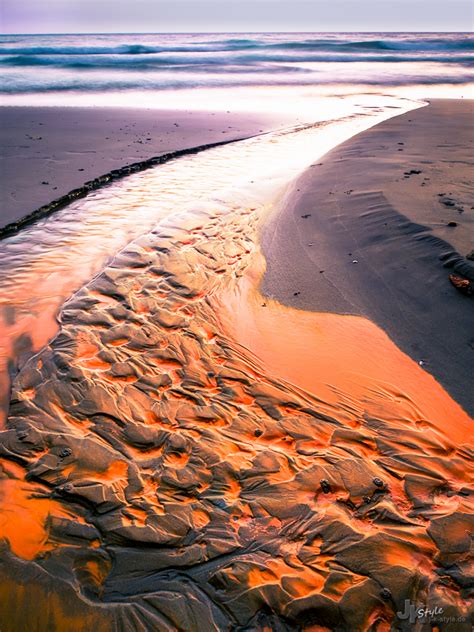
[(34, 64)]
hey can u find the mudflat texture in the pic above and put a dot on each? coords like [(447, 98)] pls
[(377, 227), (46, 152), (160, 479)]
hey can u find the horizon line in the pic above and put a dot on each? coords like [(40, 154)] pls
[(238, 32)]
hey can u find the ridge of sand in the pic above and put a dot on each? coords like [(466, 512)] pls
[(365, 232)]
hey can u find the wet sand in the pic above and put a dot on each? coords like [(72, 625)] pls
[(367, 232), (172, 460), (168, 466), (49, 151)]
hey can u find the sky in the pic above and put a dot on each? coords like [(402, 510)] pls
[(146, 16)]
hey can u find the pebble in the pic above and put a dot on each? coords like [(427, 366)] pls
[(325, 485)]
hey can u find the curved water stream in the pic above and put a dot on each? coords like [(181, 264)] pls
[(44, 264)]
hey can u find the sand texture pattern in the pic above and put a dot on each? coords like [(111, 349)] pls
[(186, 489)]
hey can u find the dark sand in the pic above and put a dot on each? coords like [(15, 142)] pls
[(48, 151), (376, 240)]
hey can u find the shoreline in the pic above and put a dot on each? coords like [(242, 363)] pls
[(102, 181), (66, 149), (368, 237)]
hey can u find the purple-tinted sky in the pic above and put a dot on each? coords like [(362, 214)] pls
[(93, 16)]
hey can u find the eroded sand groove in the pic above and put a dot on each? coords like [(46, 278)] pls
[(189, 490)]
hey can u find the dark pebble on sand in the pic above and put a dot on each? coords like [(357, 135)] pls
[(258, 432), (452, 224), (306, 216), (325, 485), (296, 293), (65, 453), (44, 182), (378, 482)]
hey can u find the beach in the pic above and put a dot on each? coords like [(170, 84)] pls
[(65, 147), (235, 363), (367, 232)]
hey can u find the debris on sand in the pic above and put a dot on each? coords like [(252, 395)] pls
[(463, 285)]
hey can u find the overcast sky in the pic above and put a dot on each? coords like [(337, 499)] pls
[(125, 16)]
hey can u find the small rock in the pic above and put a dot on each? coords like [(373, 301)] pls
[(65, 453), (452, 224), (378, 482), (306, 216), (462, 285), (258, 432), (325, 485)]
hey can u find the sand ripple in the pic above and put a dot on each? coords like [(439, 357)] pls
[(187, 489)]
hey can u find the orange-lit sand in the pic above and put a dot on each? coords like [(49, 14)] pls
[(346, 360), (24, 512), (225, 476)]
